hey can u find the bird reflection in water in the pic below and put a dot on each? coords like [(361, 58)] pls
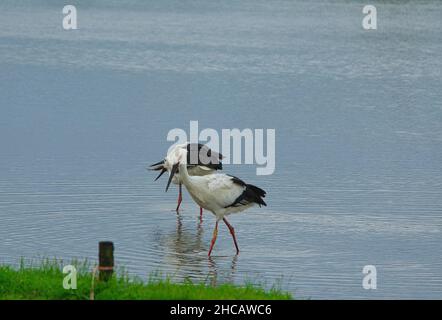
[(218, 275), (187, 255)]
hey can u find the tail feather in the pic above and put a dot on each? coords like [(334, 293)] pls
[(255, 194), (251, 194)]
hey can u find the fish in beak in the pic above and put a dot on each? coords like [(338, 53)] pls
[(172, 173)]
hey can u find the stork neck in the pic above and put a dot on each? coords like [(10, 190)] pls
[(184, 174)]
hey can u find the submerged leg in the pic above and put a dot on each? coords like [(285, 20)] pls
[(215, 234), (180, 199), (232, 232)]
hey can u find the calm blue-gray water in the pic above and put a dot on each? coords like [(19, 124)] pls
[(358, 119)]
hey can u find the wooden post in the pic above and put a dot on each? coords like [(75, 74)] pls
[(105, 260)]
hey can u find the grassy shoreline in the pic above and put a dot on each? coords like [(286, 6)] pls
[(45, 282)]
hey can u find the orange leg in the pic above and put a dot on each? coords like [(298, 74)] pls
[(215, 234), (180, 199), (232, 232)]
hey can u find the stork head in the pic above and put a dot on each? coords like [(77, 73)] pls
[(173, 160)]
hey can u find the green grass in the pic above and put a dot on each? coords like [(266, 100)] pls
[(45, 282)]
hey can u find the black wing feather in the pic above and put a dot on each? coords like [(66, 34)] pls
[(214, 157), (251, 194)]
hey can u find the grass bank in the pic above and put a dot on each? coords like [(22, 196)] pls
[(45, 281)]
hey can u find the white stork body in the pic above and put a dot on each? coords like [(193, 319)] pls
[(197, 169), (221, 194), (215, 192)]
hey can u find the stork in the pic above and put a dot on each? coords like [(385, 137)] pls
[(219, 193), (205, 162)]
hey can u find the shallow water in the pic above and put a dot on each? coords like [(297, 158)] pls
[(358, 135)]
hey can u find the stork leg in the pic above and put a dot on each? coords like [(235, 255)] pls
[(215, 234), (232, 232), (180, 199), (201, 213)]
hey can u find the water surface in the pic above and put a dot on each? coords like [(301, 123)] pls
[(358, 131)]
